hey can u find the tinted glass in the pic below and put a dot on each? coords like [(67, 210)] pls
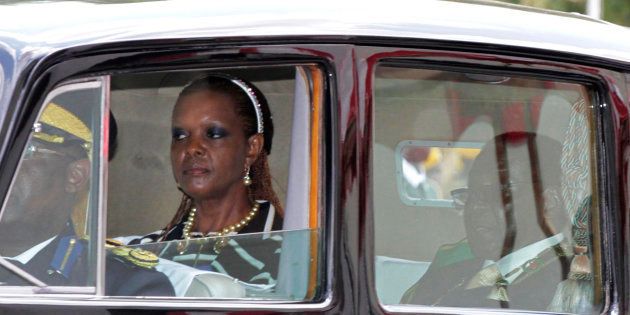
[(47, 223), (260, 266), (483, 192), (276, 253)]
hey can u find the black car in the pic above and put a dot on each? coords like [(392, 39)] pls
[(430, 157)]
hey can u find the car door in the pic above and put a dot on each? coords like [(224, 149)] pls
[(101, 130), (446, 185)]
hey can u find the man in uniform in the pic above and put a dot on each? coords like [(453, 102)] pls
[(515, 252), (47, 213)]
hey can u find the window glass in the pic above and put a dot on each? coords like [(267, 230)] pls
[(215, 267), (163, 173), (484, 191), (418, 162), (46, 224)]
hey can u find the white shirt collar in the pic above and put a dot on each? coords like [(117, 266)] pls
[(26, 256)]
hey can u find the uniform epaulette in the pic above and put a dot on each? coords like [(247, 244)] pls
[(111, 242), (136, 256)]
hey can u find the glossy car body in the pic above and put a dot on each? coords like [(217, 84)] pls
[(43, 44)]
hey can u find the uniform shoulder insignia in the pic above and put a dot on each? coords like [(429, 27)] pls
[(136, 256), (143, 258), (110, 242), (121, 251)]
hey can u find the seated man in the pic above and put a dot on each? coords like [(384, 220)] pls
[(515, 252), (44, 224)]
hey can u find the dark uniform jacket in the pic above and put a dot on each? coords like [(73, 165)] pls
[(446, 285), (63, 262)]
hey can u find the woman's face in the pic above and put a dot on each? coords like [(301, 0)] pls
[(209, 150)]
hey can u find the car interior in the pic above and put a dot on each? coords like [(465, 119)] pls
[(446, 116)]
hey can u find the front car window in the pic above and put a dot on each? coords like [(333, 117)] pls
[(46, 220), (484, 193), (256, 266), (52, 218), (276, 255)]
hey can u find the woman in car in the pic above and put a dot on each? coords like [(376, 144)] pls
[(221, 137)]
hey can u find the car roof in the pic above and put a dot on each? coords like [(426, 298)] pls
[(39, 26)]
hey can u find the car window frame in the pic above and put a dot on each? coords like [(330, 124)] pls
[(38, 288), (63, 67), (496, 64)]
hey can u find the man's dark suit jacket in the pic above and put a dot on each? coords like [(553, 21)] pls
[(446, 286)]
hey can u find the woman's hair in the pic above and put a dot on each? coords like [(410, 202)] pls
[(238, 90)]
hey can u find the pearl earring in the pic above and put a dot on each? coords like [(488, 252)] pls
[(246, 179)]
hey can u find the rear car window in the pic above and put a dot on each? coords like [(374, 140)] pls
[(484, 192)]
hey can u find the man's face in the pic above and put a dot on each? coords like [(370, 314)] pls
[(39, 186), (500, 211)]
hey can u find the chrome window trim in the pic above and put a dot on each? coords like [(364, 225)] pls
[(166, 303), (101, 220), (48, 291), (415, 309), (21, 273), (85, 83)]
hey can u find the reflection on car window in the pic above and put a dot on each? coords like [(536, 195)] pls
[(168, 148), (507, 224), (430, 172), (222, 135), (269, 265), (45, 223)]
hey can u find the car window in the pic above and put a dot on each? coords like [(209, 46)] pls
[(48, 239), (276, 267), (278, 262), (484, 192)]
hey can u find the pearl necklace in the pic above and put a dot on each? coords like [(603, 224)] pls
[(228, 229)]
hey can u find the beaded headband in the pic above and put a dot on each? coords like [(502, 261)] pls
[(252, 96)]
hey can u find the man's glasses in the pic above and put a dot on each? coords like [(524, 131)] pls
[(34, 151)]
